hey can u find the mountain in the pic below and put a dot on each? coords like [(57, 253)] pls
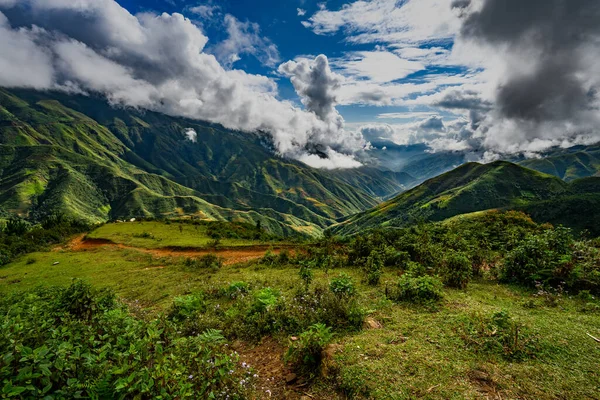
[(568, 164), (80, 156), (476, 187)]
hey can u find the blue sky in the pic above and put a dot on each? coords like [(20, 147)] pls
[(280, 22), (489, 77)]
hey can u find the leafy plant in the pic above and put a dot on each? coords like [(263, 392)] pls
[(185, 307), (420, 289), (342, 286), (499, 333), (306, 274), (264, 299), (306, 352), (374, 267), (457, 270)]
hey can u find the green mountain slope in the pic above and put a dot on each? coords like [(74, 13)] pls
[(80, 156), (568, 164), (475, 187)]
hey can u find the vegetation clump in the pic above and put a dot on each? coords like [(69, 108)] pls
[(306, 352), (208, 261), (74, 343), (418, 289), (498, 333)]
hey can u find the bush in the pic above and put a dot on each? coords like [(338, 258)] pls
[(47, 353), (342, 286), (306, 274), (211, 261), (374, 267), (237, 289), (270, 259), (306, 352), (185, 307), (82, 301), (395, 258), (500, 334), (264, 299), (420, 289), (545, 257), (457, 270)]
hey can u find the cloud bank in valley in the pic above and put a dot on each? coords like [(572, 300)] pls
[(159, 62)]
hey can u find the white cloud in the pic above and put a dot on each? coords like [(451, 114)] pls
[(205, 11), (301, 12), (389, 21), (245, 38), (191, 135), (157, 62), (376, 66), (407, 115)]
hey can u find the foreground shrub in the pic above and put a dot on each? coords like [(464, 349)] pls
[(418, 289), (306, 274), (499, 334), (374, 267), (457, 270), (82, 301), (306, 352), (539, 258), (342, 285), (48, 352), (185, 307), (237, 289)]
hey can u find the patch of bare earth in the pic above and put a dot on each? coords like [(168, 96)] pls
[(230, 255)]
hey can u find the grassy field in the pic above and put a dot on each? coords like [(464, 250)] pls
[(418, 353), (154, 235)]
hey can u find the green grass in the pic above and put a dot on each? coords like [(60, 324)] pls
[(154, 235), (417, 354)]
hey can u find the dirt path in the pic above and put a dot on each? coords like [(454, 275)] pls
[(230, 255)]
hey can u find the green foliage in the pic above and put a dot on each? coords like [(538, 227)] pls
[(342, 286), (237, 289), (48, 351), (82, 301), (457, 270), (208, 261), (374, 267), (185, 307), (20, 237), (418, 289), (306, 274), (539, 258), (306, 352), (264, 300), (500, 334)]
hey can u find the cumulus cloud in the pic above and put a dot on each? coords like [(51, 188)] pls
[(316, 84), (389, 21), (159, 62), (245, 38), (376, 66), (544, 74), (191, 135), (301, 12), (528, 71)]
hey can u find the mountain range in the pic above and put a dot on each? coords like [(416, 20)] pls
[(475, 187), (80, 156), (83, 157)]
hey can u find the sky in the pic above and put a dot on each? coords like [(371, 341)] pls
[(330, 81)]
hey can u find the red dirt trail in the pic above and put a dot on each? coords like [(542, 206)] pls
[(230, 255)]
